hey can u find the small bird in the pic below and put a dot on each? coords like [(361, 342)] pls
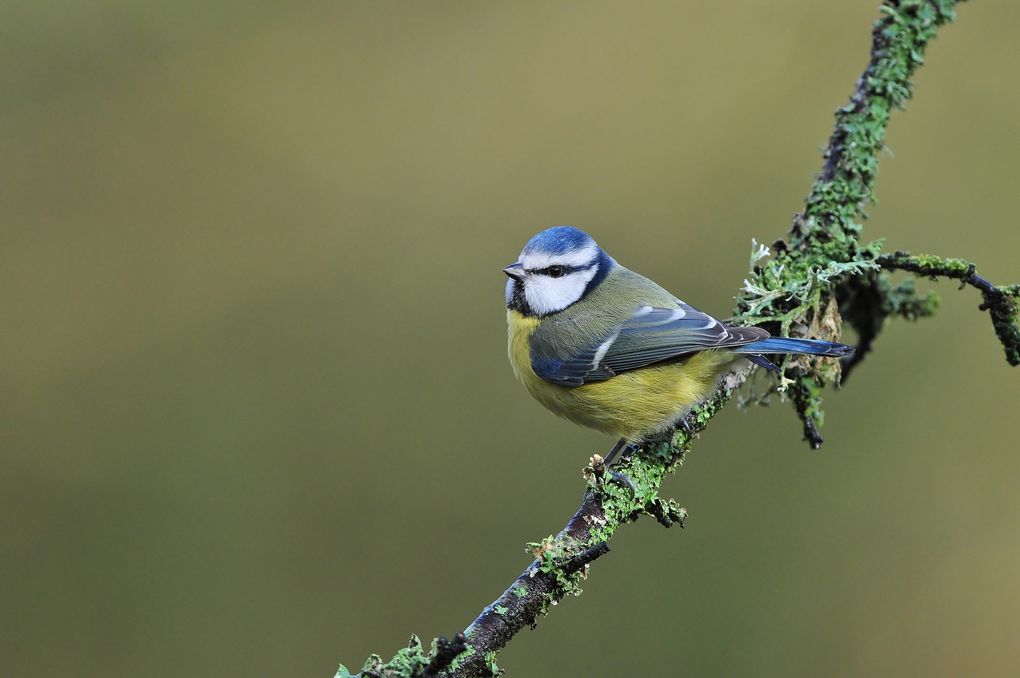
[(609, 349)]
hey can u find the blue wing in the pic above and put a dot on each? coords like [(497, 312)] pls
[(650, 336)]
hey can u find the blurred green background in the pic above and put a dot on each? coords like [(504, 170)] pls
[(256, 412)]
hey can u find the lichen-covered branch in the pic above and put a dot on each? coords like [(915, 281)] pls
[(614, 497), (790, 293), (1001, 301), (804, 286)]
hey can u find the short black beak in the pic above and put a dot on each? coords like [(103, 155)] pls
[(515, 271)]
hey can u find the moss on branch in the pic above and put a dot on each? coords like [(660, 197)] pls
[(787, 293), (1001, 301), (803, 286)]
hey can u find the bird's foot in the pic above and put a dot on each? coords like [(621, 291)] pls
[(599, 471), (623, 480), (682, 424)]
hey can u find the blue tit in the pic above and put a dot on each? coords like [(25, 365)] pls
[(609, 349)]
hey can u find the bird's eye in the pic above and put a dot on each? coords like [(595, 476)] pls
[(556, 271)]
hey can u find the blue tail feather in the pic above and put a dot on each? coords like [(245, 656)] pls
[(790, 345)]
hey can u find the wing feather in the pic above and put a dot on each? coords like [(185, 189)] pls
[(650, 336)]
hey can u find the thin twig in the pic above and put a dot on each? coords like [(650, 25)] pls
[(999, 301)]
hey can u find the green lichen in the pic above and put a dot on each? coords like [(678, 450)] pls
[(490, 663), (406, 663), (629, 491), (552, 554), (928, 265), (460, 660), (907, 302), (791, 293), (999, 300)]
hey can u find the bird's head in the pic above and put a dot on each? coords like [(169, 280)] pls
[(556, 269)]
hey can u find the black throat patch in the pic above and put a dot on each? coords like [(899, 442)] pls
[(518, 301)]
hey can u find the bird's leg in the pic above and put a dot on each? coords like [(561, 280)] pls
[(620, 444), (620, 478)]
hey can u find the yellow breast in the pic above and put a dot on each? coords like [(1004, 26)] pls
[(631, 405)]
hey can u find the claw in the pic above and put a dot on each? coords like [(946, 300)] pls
[(622, 480)]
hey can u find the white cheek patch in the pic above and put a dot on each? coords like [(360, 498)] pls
[(548, 295), (575, 258)]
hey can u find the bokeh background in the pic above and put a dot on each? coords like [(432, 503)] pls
[(256, 413)]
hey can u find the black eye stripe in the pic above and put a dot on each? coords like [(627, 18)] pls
[(548, 269)]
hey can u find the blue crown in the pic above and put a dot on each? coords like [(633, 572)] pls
[(559, 240)]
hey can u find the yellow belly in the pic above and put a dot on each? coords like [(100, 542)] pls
[(632, 405)]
